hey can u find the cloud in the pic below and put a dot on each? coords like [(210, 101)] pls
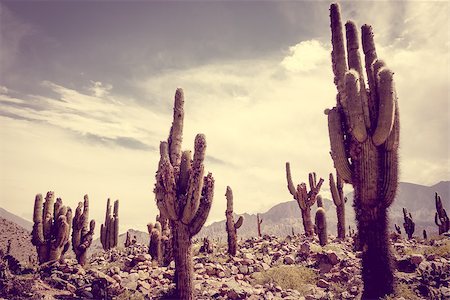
[(306, 56)]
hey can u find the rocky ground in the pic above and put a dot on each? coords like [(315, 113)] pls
[(266, 268)]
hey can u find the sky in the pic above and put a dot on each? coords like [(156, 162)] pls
[(87, 90)]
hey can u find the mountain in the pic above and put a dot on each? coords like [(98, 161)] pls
[(16, 219), (20, 239), (281, 218)]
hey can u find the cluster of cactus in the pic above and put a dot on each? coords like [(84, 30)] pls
[(183, 195), (408, 224), (82, 234), (397, 229), (231, 226), (109, 232), (440, 218), (51, 229), (259, 221), (304, 198), (130, 240), (364, 136), (321, 226), (337, 193), (206, 247)]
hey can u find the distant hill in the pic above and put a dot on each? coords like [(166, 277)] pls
[(21, 247), (16, 219)]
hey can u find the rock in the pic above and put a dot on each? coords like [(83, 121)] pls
[(332, 257), (265, 266), (325, 268), (288, 260), (405, 265), (323, 283), (416, 259), (243, 269)]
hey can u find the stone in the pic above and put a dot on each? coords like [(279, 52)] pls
[(416, 259), (288, 260), (243, 269), (323, 284)]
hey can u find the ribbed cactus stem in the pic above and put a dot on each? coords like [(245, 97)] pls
[(82, 234), (364, 132), (337, 193), (440, 218), (321, 226), (183, 195), (304, 198), (259, 221), (51, 228), (408, 224), (109, 231), (231, 226)]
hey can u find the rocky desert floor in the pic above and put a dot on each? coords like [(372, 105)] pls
[(294, 267)]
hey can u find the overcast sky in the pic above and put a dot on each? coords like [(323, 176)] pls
[(86, 95)]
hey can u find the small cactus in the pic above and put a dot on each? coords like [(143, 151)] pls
[(109, 231), (304, 198), (51, 229), (321, 226), (319, 201), (206, 247), (409, 224), (81, 234), (154, 247), (440, 218), (231, 226), (337, 193), (425, 236), (258, 223), (397, 229)]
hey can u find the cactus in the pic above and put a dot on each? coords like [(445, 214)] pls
[(319, 201), (128, 240), (183, 195), (397, 229), (166, 240), (364, 136), (425, 236), (304, 198), (51, 229), (154, 247), (231, 226), (206, 247), (81, 235), (258, 223), (440, 217), (409, 224), (337, 193), (109, 232), (321, 226)]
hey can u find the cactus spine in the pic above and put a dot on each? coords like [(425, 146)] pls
[(364, 137), (409, 224), (258, 223), (304, 198), (81, 235), (109, 232), (183, 195), (337, 193), (231, 226), (321, 226), (51, 229), (440, 218)]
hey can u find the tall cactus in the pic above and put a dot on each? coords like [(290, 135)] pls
[(51, 229), (81, 235), (258, 223), (440, 218), (183, 195), (408, 224), (231, 226), (109, 232), (337, 193), (304, 198), (321, 226), (364, 137)]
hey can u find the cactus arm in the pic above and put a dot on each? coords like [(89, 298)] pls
[(176, 131), (48, 214), (195, 180), (291, 186), (38, 232), (355, 109), (386, 112), (302, 196), (165, 188), (312, 181), (334, 192), (436, 219), (239, 222), (338, 152), (338, 52), (205, 205), (185, 171)]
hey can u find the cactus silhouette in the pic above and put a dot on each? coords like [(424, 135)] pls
[(51, 229), (321, 226), (440, 218), (304, 198), (231, 226), (258, 223), (109, 232), (408, 224), (364, 136), (183, 195), (337, 193), (81, 233), (397, 228), (425, 236)]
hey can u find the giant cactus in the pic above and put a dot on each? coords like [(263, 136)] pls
[(109, 232), (337, 193), (408, 224), (304, 198), (183, 194), (364, 137), (321, 226), (440, 218), (231, 226), (51, 229), (81, 234)]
